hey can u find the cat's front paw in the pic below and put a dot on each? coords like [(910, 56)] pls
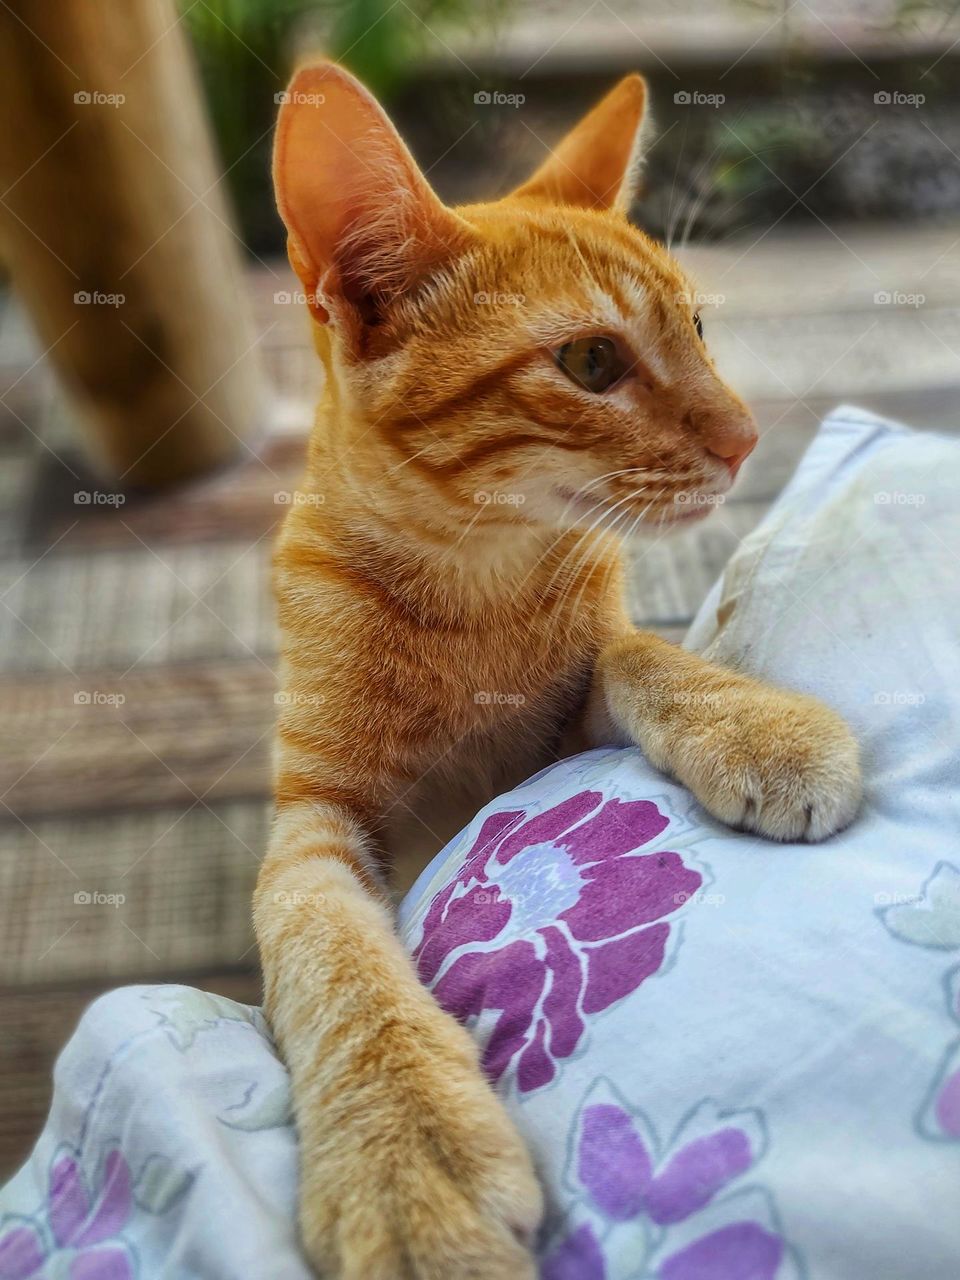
[(764, 760), (412, 1170)]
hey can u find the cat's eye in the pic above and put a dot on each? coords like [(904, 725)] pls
[(593, 363), (698, 325)]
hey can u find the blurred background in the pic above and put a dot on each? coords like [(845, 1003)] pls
[(156, 383)]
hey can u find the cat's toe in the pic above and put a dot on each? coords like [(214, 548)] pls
[(780, 765)]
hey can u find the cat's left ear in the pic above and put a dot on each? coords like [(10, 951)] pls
[(596, 166)]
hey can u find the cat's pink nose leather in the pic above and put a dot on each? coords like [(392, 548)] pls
[(736, 460), (730, 441)]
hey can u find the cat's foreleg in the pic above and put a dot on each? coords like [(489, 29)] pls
[(409, 1166), (756, 757)]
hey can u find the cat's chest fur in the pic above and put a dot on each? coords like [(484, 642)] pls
[(503, 696)]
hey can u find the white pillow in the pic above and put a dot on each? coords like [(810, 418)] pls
[(734, 1059)]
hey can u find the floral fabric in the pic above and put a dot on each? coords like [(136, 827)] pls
[(731, 1060)]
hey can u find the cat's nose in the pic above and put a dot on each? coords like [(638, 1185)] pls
[(729, 437), (736, 457)]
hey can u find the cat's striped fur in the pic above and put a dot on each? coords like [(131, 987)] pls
[(450, 595)]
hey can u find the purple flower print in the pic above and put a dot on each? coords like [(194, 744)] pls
[(579, 1257), (675, 1211), (83, 1232), (561, 917), (940, 1118), (947, 1106), (932, 920), (617, 1170)]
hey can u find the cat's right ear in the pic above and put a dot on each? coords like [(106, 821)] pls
[(363, 224)]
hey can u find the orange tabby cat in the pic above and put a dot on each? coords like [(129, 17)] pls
[(511, 388)]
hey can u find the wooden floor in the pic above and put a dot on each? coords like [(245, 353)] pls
[(137, 641)]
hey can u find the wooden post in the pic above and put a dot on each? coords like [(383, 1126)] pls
[(117, 236)]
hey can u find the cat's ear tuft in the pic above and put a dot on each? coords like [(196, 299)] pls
[(597, 164), (363, 224)]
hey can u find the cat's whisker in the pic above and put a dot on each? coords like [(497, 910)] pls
[(614, 475), (586, 537), (412, 458), (670, 225), (564, 532), (610, 567), (571, 553), (698, 203), (580, 495)]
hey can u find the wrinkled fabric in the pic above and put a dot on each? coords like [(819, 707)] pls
[(732, 1060)]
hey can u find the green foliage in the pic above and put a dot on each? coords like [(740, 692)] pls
[(245, 48)]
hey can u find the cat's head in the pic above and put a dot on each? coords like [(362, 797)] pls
[(535, 359)]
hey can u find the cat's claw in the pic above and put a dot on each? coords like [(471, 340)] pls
[(780, 764)]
